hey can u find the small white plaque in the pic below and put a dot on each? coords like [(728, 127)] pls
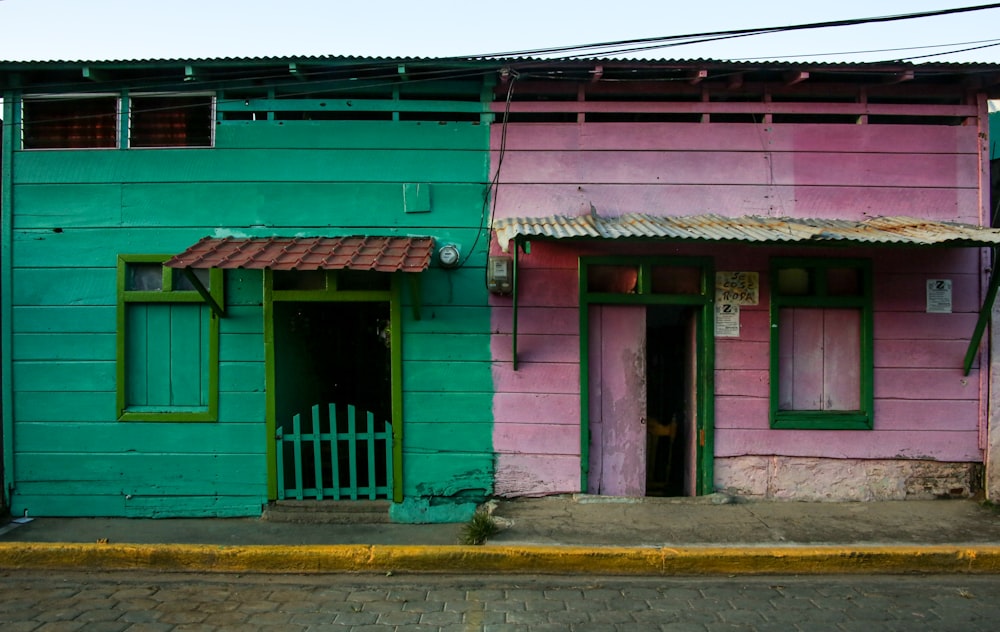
[(939, 296), (727, 320)]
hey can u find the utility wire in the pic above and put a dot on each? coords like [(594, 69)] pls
[(575, 50)]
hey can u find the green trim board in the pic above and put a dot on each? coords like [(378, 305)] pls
[(184, 340), (810, 284), (644, 295), (11, 114)]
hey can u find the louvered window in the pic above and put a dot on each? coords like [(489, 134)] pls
[(170, 121), (75, 122)]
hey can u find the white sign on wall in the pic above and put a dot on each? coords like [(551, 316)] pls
[(737, 288), (938, 296), (727, 320)]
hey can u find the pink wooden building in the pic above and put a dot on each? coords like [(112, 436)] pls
[(763, 279)]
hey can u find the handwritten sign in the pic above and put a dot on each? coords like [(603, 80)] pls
[(737, 288)]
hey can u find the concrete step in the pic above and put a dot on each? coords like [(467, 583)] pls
[(328, 511)]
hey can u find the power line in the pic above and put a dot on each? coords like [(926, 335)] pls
[(650, 43)]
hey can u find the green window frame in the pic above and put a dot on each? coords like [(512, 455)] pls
[(821, 344), (167, 342)]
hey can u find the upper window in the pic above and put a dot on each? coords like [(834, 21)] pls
[(821, 344), (168, 342), (170, 121), (70, 122)]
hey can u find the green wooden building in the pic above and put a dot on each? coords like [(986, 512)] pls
[(230, 281)]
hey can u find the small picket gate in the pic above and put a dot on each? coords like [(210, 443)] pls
[(321, 461)]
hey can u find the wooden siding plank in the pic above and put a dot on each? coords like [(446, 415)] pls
[(67, 376), (188, 353), (445, 437), (907, 292), (294, 204), (96, 248), (241, 376), (62, 287), (520, 474), (446, 347), (926, 384), (155, 359), (67, 206), (906, 139), (64, 406), (139, 473), (64, 319), (899, 415), (137, 352), (923, 354), (537, 378), (728, 168), (69, 346), (536, 348), (430, 375), (247, 347), (537, 320), (843, 444), (537, 408), (432, 407), (242, 319), (571, 197), (430, 475), (512, 438), (453, 320), (922, 326), (351, 135), (248, 165), (88, 406), (141, 438)]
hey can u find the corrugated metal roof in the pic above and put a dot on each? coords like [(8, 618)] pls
[(381, 254), (902, 231), (490, 60)]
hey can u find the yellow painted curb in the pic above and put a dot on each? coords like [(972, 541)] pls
[(504, 559)]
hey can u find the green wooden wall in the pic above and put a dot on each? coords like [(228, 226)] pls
[(74, 211)]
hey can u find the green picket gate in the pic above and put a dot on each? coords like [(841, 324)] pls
[(350, 458)]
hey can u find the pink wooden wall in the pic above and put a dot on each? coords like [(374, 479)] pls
[(925, 407)]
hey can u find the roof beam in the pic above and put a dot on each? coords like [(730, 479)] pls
[(190, 74), (697, 76), (94, 74), (295, 71), (796, 76), (899, 77), (597, 73)]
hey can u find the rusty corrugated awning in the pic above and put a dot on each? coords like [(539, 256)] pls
[(899, 231), (379, 254)]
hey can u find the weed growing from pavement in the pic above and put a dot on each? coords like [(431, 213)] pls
[(480, 528)]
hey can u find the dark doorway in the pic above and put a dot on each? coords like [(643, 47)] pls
[(332, 367), (670, 346)]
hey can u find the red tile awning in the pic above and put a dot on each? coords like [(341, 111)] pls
[(380, 254)]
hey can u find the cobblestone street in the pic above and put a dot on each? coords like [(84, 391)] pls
[(150, 602)]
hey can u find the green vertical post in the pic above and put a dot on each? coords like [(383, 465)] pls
[(11, 115), (396, 385), (984, 318), (269, 385)]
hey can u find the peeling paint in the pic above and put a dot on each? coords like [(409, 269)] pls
[(818, 479)]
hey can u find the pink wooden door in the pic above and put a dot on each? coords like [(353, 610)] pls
[(617, 383)]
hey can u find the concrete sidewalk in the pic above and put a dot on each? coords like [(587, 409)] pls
[(563, 534)]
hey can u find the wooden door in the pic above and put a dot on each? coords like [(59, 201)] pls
[(617, 384)]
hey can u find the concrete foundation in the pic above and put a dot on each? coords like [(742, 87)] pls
[(817, 479)]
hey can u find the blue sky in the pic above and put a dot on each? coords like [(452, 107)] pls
[(144, 29)]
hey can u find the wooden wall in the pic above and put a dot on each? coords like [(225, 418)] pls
[(924, 408), (75, 211)]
